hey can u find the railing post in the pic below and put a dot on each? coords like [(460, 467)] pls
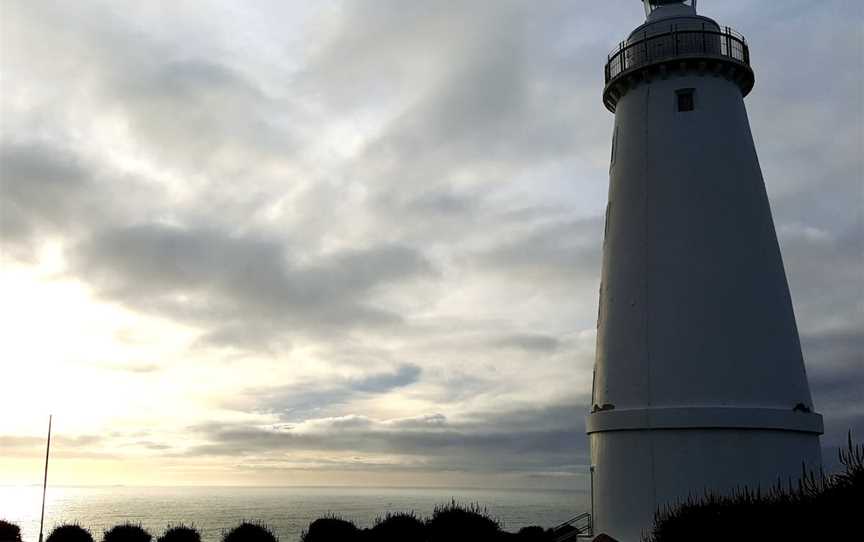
[(645, 59), (729, 43), (675, 40), (623, 54)]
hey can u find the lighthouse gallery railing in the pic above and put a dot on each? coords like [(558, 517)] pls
[(708, 41)]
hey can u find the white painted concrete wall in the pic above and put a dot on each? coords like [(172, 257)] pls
[(698, 355)]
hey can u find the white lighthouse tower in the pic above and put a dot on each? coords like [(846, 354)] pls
[(699, 381)]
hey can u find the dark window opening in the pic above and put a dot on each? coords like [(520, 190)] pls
[(686, 101)]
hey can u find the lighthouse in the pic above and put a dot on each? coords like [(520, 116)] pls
[(699, 381)]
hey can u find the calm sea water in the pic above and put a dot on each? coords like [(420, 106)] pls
[(287, 510)]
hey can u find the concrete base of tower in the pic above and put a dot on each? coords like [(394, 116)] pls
[(639, 471)]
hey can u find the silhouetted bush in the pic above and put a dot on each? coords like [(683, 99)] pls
[(535, 534), (820, 508), (9, 532), (180, 533), (250, 532), (456, 522), (331, 528), (127, 532), (70, 532), (397, 527)]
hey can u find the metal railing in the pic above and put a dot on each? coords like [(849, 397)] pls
[(646, 49), (573, 527)]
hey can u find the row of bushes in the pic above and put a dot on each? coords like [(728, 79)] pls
[(821, 507), (126, 532), (451, 523)]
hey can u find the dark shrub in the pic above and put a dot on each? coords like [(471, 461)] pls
[(820, 508), (71, 532), (458, 523), (127, 532), (250, 532), (180, 533), (331, 529), (9, 532), (398, 527), (535, 534)]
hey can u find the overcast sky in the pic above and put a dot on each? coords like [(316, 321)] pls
[(358, 242)]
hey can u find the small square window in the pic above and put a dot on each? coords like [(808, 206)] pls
[(686, 101)]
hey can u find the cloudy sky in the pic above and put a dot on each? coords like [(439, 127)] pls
[(358, 241)]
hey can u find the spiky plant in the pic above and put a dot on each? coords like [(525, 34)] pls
[(127, 532), (398, 527), (456, 522), (331, 528), (535, 534), (180, 533), (250, 532), (821, 507), (70, 532), (9, 532)]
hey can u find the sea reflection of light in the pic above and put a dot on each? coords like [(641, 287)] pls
[(22, 505)]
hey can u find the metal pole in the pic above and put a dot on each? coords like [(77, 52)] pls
[(45, 480), (591, 471)]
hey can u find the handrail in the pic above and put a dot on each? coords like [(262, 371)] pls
[(581, 524), (652, 48), (572, 520), (680, 29)]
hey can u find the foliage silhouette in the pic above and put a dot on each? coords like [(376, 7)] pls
[(456, 522), (397, 528), (250, 532), (331, 528), (127, 532), (535, 534), (821, 507), (180, 533), (9, 532), (69, 532)]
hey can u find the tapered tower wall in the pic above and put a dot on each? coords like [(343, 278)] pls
[(699, 379)]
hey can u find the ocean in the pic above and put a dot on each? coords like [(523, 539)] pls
[(287, 510)]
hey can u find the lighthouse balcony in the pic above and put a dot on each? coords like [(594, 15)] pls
[(705, 49)]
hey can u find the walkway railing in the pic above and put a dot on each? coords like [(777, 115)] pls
[(646, 49), (573, 527)]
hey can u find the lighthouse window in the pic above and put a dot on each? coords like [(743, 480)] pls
[(614, 145), (685, 100)]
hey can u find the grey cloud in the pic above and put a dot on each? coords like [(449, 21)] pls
[(539, 440), (203, 113), (42, 189), (405, 375), (835, 362), (299, 401), (47, 190), (825, 273), (180, 109), (529, 342), (242, 284), (564, 251), (65, 446)]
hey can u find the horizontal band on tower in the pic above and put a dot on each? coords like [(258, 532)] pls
[(704, 418)]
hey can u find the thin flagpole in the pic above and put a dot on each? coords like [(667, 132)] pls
[(45, 481)]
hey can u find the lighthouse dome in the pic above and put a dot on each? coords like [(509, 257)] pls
[(673, 17), (663, 8), (671, 10)]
